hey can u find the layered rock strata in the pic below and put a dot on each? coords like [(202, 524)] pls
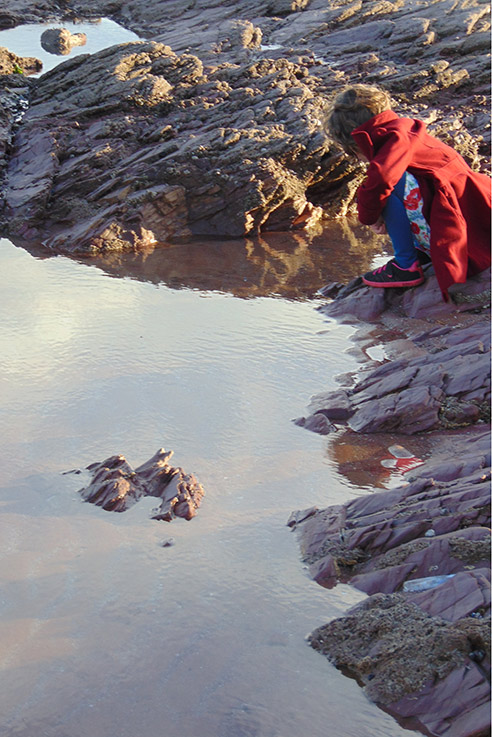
[(16, 83), (422, 554), (420, 643), (443, 381), (154, 146), (215, 128)]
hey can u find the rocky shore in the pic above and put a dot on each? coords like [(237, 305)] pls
[(421, 551), (212, 125)]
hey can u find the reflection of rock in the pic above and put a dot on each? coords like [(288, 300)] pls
[(289, 264), (116, 486), (59, 41), (371, 540), (362, 458), (411, 649)]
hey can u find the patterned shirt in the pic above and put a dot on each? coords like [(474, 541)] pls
[(413, 205)]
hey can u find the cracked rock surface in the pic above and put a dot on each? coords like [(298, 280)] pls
[(211, 125)]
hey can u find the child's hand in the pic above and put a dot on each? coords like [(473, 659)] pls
[(378, 227)]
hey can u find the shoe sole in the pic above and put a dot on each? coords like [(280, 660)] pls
[(414, 283)]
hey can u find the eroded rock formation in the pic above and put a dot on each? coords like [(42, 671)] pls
[(14, 95), (215, 128), (420, 642), (153, 146), (10, 63), (116, 486), (442, 382)]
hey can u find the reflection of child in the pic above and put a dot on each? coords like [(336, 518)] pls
[(417, 189)]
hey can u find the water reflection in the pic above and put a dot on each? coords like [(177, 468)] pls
[(371, 461), (105, 632), (291, 264), (25, 40)]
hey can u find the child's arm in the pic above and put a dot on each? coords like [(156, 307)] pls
[(386, 167)]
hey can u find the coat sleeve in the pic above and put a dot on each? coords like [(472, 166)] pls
[(385, 170)]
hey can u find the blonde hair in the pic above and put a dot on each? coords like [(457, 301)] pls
[(352, 107)]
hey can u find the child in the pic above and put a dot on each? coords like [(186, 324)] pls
[(417, 189)]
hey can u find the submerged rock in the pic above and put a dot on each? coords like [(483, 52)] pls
[(116, 486)]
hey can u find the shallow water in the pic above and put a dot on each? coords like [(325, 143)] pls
[(26, 40), (105, 632), (209, 349)]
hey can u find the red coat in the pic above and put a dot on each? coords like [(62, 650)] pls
[(456, 199)]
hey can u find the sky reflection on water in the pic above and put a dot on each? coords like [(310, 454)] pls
[(104, 631)]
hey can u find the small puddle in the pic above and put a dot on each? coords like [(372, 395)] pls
[(26, 40)]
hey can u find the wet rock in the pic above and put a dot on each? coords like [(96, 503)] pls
[(380, 541), (116, 486), (335, 405), (468, 592), (470, 377), (300, 516), (364, 303), (407, 411), (317, 422), (457, 706), (59, 41), (444, 384), (410, 649), (443, 555), (14, 100), (412, 663), (10, 63)]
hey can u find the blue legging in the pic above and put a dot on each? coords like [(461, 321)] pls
[(398, 227)]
